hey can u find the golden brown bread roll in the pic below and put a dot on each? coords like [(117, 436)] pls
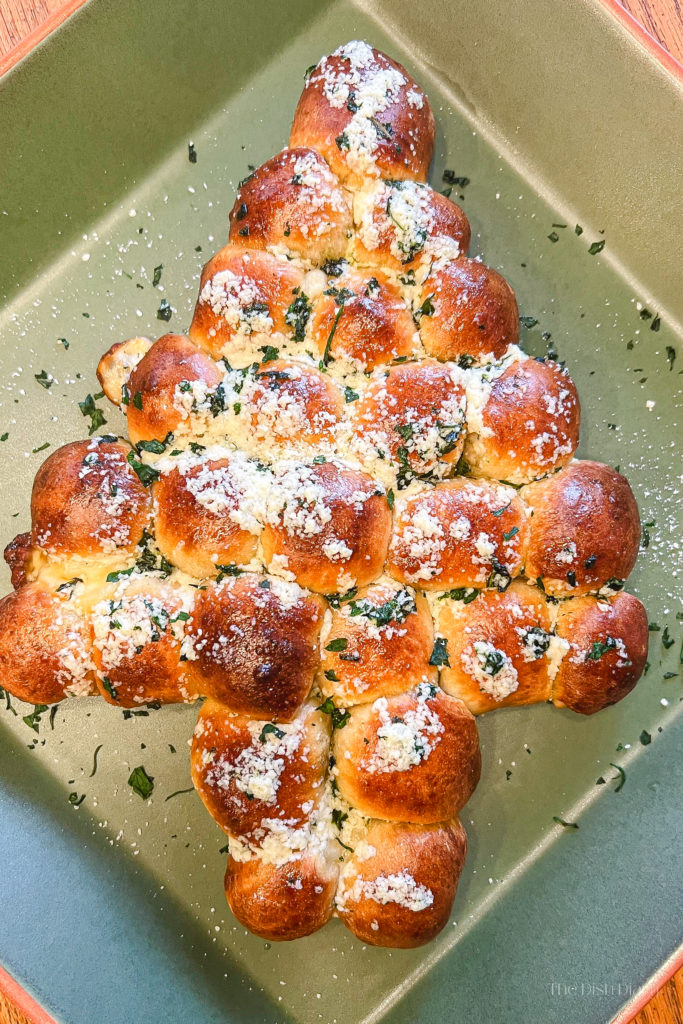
[(412, 416), (138, 633), (87, 501), (366, 115), (584, 531), (45, 646), (389, 640), (117, 364), (361, 317), (468, 312), (327, 524), (286, 900), (460, 533), (250, 772), (608, 640), (293, 204), (525, 424), (252, 645), (208, 511), (500, 646), (398, 888), (400, 223), (163, 387), (285, 404), (413, 757), (247, 299)]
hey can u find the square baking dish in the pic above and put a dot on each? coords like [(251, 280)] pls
[(563, 133)]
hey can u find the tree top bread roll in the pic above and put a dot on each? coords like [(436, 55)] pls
[(366, 116), (350, 519)]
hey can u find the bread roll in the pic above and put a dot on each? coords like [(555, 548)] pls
[(400, 223), (467, 312), (87, 501), (117, 364), (293, 203), (414, 416), (584, 531), (366, 115), (608, 640), (528, 425), (501, 650), (327, 524), (461, 533), (247, 299), (138, 632), (389, 641), (287, 900), (249, 772), (413, 757), (45, 646), (252, 645), (286, 404), (362, 318), (163, 387), (398, 888), (208, 512)]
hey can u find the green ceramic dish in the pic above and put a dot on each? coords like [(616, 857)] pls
[(111, 908)]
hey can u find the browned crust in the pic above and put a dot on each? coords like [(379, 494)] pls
[(319, 400), (447, 218), (275, 283), (307, 212), (591, 678), (434, 855), (403, 148), (585, 521), (253, 654), (364, 527), (495, 618), (372, 326), (492, 510), (412, 395), (18, 556), (285, 902), (151, 411), (192, 536), (531, 422), (87, 500), (377, 663), (39, 635), (432, 790), (217, 744), (149, 672), (475, 312)]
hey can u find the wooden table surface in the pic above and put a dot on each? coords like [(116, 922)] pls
[(662, 19)]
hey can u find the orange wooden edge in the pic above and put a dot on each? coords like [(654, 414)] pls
[(11, 989), (650, 989), (20, 998), (652, 45), (39, 33)]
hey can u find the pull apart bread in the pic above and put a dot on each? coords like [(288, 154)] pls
[(349, 517)]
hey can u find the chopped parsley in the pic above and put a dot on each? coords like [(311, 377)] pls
[(140, 782), (339, 716), (45, 379), (439, 655), (88, 408), (165, 310), (269, 729)]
